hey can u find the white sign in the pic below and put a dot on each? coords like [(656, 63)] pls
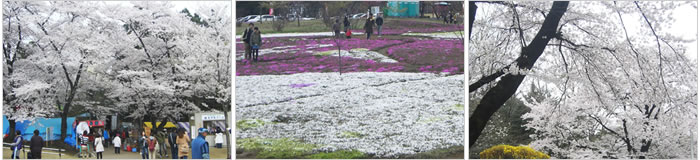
[(213, 117), (375, 9)]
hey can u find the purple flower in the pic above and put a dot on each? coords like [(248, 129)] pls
[(301, 85)]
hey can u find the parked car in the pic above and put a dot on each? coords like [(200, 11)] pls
[(253, 19), (245, 19), (268, 18), (293, 18)]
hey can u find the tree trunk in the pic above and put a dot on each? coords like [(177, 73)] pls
[(506, 87), (12, 129), (472, 15), (227, 134), (298, 14), (64, 125), (153, 125)]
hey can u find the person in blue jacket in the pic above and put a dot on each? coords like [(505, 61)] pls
[(17, 145), (200, 146), (105, 133)]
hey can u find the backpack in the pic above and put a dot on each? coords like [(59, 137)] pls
[(151, 145), (348, 33)]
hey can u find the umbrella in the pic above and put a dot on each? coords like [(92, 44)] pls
[(82, 126)]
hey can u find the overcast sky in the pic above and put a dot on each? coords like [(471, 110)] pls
[(685, 24)]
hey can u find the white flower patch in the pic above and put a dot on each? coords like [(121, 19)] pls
[(447, 35), (392, 113), (284, 49), (361, 53)]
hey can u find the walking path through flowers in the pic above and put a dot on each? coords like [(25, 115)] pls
[(400, 94)]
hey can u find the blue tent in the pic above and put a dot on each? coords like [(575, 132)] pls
[(27, 128)]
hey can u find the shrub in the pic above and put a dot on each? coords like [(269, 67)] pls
[(512, 152), (282, 148), (279, 24)]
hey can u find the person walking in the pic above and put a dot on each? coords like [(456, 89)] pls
[(255, 43), (183, 144), (200, 146), (143, 143), (369, 23), (84, 147), (106, 136), (336, 28), (152, 144), (450, 18), (247, 33), (99, 146), (346, 24), (173, 144), (379, 22), (219, 140), (444, 17), (35, 145), (117, 141)]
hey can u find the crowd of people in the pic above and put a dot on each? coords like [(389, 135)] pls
[(178, 142)]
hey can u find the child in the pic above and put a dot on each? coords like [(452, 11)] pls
[(255, 42)]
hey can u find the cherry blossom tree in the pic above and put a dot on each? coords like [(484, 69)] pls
[(144, 59), (622, 85), (64, 39), (173, 66)]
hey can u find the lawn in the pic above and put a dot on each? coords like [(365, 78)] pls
[(317, 25)]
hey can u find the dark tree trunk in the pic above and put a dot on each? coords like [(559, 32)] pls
[(69, 101), (12, 129), (153, 124), (506, 87), (226, 133), (472, 14), (64, 125)]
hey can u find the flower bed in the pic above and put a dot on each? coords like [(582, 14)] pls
[(381, 114), (305, 54), (431, 55)]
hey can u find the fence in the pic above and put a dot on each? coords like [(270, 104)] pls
[(24, 150)]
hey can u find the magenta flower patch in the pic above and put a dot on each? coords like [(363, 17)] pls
[(301, 85), (296, 55)]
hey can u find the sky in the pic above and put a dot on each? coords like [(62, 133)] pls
[(685, 24)]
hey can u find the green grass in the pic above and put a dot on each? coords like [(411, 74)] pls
[(325, 53), (282, 148), (315, 25), (249, 123), (348, 134), (7, 154), (459, 107), (454, 152), (344, 154)]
